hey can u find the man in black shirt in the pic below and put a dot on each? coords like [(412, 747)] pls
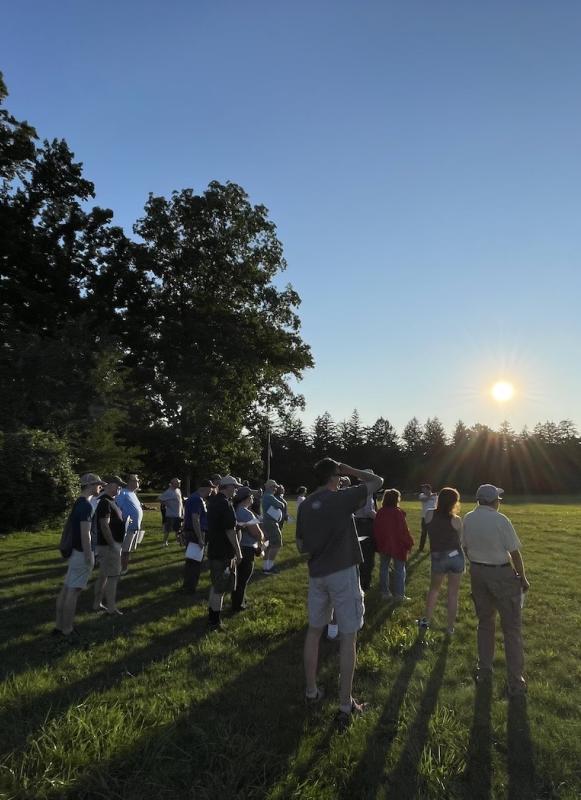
[(224, 550), (110, 535)]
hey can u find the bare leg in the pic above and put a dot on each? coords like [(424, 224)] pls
[(272, 553), (99, 591), (69, 608), (432, 598), (311, 658), (347, 659), (453, 589), (60, 604), (111, 594), (124, 560)]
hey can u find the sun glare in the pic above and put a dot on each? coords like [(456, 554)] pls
[(502, 391)]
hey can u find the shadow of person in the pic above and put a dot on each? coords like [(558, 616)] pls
[(403, 781), (478, 773), (369, 772), (520, 754)]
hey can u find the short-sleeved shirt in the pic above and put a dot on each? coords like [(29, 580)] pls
[(174, 504), (109, 511), (246, 516), (130, 506), (326, 529), (82, 511), (195, 505), (221, 518), (488, 536)]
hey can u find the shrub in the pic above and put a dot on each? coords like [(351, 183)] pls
[(37, 483)]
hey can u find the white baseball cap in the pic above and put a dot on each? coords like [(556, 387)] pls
[(489, 493)]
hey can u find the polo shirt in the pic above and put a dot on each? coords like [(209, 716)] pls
[(174, 505), (488, 536), (221, 518), (130, 506), (327, 532)]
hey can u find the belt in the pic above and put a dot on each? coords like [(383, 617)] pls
[(480, 564)]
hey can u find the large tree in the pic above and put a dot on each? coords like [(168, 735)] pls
[(212, 339)]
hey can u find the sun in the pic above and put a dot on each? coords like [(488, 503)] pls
[(502, 391)]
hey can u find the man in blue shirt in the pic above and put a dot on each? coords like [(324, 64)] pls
[(195, 530), (132, 511)]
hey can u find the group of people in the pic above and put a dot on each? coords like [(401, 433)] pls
[(105, 525), (330, 531), (339, 528), (223, 519)]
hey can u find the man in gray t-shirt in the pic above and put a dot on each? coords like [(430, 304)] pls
[(326, 531)]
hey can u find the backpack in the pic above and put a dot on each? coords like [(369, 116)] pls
[(66, 542)]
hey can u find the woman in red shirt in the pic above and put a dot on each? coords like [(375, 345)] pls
[(393, 541)]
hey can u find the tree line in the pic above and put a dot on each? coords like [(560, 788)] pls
[(157, 353), (546, 460)]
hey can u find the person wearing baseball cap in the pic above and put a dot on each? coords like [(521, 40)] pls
[(81, 560), (110, 535), (498, 581), (272, 513), (195, 533), (224, 552)]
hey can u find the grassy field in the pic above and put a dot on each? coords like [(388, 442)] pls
[(150, 706)]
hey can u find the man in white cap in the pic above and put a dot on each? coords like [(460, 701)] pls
[(174, 509), (81, 559), (498, 580), (224, 551), (272, 514)]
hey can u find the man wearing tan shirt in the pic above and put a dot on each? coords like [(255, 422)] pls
[(498, 581)]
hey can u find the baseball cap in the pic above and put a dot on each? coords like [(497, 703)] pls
[(89, 477), (243, 493), (114, 479), (229, 480), (489, 493)]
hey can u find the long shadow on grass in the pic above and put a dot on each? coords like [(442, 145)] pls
[(19, 719), (403, 781), (368, 775), (42, 650), (520, 755), (235, 744), (479, 763)]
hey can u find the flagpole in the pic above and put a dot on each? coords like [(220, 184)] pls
[(268, 454)]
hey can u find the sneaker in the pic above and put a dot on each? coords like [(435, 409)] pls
[(56, 632), (423, 624), (165, 544), (316, 699), (271, 571), (216, 627), (343, 720), (401, 598)]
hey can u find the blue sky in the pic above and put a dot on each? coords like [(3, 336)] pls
[(420, 159)]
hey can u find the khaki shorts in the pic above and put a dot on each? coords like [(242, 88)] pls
[(340, 591), (222, 577), (109, 560), (79, 571)]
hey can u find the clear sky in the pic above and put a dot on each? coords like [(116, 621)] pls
[(420, 159)]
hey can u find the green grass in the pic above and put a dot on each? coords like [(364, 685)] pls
[(151, 707)]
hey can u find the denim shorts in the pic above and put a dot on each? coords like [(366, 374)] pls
[(443, 562)]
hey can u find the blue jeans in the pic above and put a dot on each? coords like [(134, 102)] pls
[(398, 578)]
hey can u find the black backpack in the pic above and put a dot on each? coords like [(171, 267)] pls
[(66, 542)]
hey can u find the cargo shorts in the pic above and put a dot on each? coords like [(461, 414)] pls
[(340, 591)]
